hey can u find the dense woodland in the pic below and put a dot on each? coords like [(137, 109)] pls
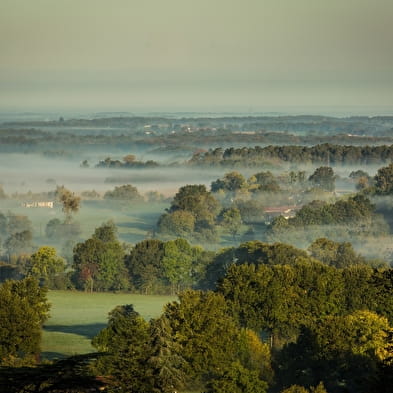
[(282, 264)]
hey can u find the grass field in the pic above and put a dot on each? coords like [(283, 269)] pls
[(76, 317)]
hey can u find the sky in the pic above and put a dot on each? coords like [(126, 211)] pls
[(196, 55)]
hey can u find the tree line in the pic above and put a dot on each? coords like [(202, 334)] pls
[(319, 154)]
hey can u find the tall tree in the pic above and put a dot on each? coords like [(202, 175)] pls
[(23, 310), (145, 266), (99, 264)]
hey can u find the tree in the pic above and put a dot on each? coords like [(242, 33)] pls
[(251, 211), (140, 356), (177, 263), (99, 264), (145, 266), (126, 192), (204, 330), (19, 243), (198, 212), (45, 265), (384, 180), (70, 202), (231, 220), (335, 253), (180, 223), (23, 310), (56, 229), (126, 340), (341, 351), (196, 200), (324, 178), (232, 182), (263, 181), (236, 379), (165, 361)]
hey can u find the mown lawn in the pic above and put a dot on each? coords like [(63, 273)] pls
[(76, 317)]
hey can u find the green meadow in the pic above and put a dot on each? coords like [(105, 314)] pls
[(76, 317)]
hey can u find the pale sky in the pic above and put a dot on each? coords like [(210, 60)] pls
[(195, 54)]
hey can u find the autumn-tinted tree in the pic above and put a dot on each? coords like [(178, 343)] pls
[(70, 201)]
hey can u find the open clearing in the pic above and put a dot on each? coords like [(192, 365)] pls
[(76, 317)]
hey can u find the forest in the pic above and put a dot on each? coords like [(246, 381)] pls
[(273, 234)]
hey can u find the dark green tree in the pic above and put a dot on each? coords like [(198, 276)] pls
[(384, 180), (324, 178), (126, 340), (205, 331), (145, 266)]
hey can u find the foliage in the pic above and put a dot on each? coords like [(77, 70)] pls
[(144, 264), (126, 192), (257, 252), (99, 262), (70, 202), (57, 229), (338, 254), (384, 180), (231, 182), (180, 223), (19, 243), (356, 209), (141, 355), (45, 265), (317, 154), (204, 330), (178, 262), (198, 213), (23, 309), (231, 220), (236, 379), (342, 351), (324, 178)]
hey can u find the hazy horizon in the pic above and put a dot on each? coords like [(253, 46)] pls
[(180, 56)]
